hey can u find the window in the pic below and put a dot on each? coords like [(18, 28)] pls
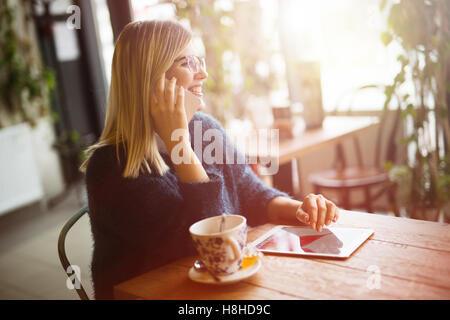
[(344, 36), (152, 9), (106, 36)]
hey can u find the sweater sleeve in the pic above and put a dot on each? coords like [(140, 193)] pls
[(165, 205), (203, 199), (254, 196)]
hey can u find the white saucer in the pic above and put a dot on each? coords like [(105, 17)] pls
[(241, 274)]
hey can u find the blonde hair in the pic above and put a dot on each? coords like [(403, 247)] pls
[(143, 52)]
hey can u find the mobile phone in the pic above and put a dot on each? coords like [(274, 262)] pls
[(192, 103)]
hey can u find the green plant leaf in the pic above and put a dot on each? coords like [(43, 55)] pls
[(386, 38), (400, 77), (405, 97), (442, 112), (387, 166), (388, 90), (17, 81)]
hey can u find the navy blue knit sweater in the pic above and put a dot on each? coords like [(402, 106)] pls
[(142, 223)]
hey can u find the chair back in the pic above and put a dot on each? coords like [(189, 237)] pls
[(390, 154), (62, 250)]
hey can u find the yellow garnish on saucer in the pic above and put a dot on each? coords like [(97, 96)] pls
[(251, 256), (248, 261)]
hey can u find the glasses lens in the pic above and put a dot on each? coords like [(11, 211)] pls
[(195, 63), (192, 63)]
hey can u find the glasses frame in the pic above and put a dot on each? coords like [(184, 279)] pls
[(195, 63)]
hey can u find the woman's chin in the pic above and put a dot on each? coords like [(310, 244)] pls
[(201, 106)]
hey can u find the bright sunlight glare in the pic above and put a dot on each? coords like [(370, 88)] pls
[(344, 36)]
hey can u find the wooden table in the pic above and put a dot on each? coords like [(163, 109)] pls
[(334, 129), (411, 259)]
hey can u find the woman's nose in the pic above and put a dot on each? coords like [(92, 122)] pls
[(202, 74)]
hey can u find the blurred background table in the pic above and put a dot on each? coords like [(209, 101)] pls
[(334, 129)]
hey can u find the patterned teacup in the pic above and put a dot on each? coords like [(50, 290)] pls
[(220, 251)]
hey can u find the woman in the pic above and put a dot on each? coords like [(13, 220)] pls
[(141, 203)]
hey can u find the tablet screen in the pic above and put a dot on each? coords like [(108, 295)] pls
[(302, 240)]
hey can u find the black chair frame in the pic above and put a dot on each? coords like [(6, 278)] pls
[(62, 250)]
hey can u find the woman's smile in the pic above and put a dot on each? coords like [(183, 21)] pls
[(196, 90)]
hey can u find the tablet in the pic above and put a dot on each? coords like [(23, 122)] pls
[(330, 242)]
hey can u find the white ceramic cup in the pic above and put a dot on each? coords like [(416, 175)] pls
[(221, 252)]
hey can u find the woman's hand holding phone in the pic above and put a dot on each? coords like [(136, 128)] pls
[(167, 114)]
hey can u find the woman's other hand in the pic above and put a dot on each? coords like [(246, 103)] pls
[(317, 211), (169, 116)]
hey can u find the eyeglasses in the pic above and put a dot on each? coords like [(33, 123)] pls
[(194, 63)]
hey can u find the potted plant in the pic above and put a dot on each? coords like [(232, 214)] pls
[(24, 84), (422, 30), (28, 166), (423, 197)]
